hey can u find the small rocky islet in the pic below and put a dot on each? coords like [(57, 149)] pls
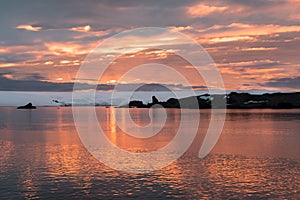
[(27, 106)]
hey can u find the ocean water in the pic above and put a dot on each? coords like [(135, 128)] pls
[(256, 157)]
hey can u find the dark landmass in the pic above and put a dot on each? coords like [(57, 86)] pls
[(233, 100), (275, 100), (27, 106)]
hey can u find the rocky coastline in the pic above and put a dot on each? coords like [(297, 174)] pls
[(233, 100)]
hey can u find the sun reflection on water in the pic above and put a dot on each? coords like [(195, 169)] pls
[(42, 157)]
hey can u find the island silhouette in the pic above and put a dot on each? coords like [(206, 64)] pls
[(27, 106), (234, 100)]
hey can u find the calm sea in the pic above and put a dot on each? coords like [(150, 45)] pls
[(256, 157)]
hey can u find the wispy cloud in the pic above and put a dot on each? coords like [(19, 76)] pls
[(230, 39), (29, 27), (259, 49), (86, 28), (201, 10)]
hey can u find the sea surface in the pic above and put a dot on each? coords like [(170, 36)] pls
[(256, 157)]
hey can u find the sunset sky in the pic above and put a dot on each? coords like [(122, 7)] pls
[(254, 43)]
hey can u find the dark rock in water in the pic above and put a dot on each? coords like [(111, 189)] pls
[(154, 100), (27, 106), (55, 101), (61, 103), (273, 101), (136, 104)]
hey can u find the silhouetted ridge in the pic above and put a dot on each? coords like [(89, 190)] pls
[(234, 100)]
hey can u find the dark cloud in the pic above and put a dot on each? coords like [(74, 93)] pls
[(7, 84), (263, 64), (34, 82), (257, 3), (200, 87), (16, 58), (58, 14), (156, 87), (284, 83), (246, 84), (35, 77), (153, 3)]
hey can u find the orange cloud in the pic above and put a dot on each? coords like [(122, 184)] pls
[(201, 10), (259, 49), (3, 65), (230, 39), (295, 16), (65, 62), (294, 1), (8, 76), (67, 48), (49, 63), (3, 50), (181, 28), (240, 31), (59, 79)]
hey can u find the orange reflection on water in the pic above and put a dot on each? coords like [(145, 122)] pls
[(140, 117), (43, 157), (259, 133), (65, 154)]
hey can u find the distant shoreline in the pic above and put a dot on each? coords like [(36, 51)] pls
[(232, 100), (99, 98), (115, 107)]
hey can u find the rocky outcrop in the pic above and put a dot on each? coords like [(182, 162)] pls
[(27, 106), (274, 100), (137, 104), (234, 100)]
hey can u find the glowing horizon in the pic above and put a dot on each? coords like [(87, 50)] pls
[(251, 52)]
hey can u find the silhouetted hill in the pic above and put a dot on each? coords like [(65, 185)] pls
[(234, 100)]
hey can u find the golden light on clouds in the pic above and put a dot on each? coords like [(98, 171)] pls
[(238, 35), (76, 62), (259, 49), (242, 33), (181, 28), (59, 48), (8, 76), (230, 39), (29, 27), (66, 48), (111, 81), (2, 50), (201, 10), (49, 63), (3, 65), (240, 29), (65, 62), (86, 28)]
